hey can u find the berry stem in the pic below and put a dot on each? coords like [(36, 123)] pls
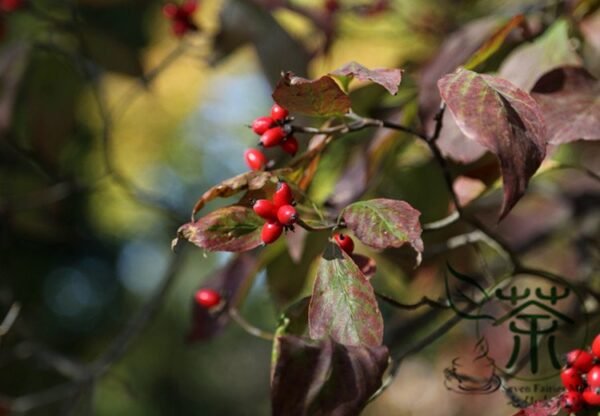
[(248, 327)]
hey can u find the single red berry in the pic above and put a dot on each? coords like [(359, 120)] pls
[(207, 298), (255, 159), (265, 209), (272, 137), (188, 7), (271, 232), (591, 396), (11, 5), (283, 195), (580, 359), (287, 215), (290, 145), (596, 346), (572, 401), (571, 379), (345, 242), (261, 124), (170, 10), (593, 376), (278, 113)]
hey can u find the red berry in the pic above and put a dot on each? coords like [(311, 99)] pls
[(170, 10), (272, 137), (345, 242), (283, 195), (271, 232), (207, 298), (255, 159), (581, 360), (265, 209), (572, 401), (287, 215), (571, 379), (188, 7), (593, 376), (596, 346), (179, 27), (591, 396), (290, 145), (11, 5), (261, 124), (278, 112)]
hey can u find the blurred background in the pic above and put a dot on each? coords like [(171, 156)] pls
[(111, 127)]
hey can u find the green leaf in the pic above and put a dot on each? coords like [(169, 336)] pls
[(502, 118), (233, 228), (343, 304), (325, 378), (383, 223), (322, 97)]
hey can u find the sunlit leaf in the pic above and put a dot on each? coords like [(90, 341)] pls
[(387, 78), (383, 223), (325, 378), (343, 304), (502, 118), (493, 43), (570, 100), (321, 97), (233, 228), (553, 49)]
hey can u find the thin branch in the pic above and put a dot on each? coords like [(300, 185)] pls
[(248, 327), (10, 318), (425, 301), (444, 222)]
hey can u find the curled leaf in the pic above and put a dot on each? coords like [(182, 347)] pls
[(502, 118), (246, 181), (388, 78), (570, 100), (325, 378), (322, 97)]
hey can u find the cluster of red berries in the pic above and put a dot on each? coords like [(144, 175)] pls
[(181, 17), (581, 378), (274, 130), (279, 213)]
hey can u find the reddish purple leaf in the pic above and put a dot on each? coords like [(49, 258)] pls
[(388, 78), (453, 143), (383, 223), (570, 100), (324, 379), (456, 49), (367, 265), (233, 228), (502, 118), (343, 304), (227, 281), (322, 97), (549, 407), (527, 63)]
